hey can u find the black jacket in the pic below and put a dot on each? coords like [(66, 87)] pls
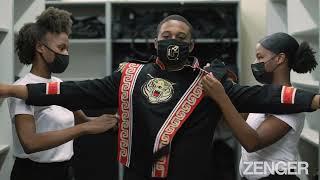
[(190, 151)]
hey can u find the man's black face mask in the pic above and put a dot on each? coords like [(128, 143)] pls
[(172, 52)]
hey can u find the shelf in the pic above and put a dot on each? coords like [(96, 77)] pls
[(309, 87), (175, 1), (128, 40), (305, 81), (311, 136), (4, 30), (84, 3), (277, 16), (85, 41), (87, 61), (305, 22), (81, 8), (225, 40), (200, 40), (4, 148), (314, 32), (26, 11), (279, 1)]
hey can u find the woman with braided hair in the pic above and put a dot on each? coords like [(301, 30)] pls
[(42, 135)]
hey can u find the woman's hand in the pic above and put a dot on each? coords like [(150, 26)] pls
[(100, 124), (213, 88)]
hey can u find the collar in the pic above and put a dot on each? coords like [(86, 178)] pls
[(195, 63)]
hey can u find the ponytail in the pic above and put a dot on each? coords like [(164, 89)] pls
[(26, 43), (304, 60)]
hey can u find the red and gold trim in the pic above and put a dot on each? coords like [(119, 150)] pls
[(160, 64), (128, 79), (53, 88), (177, 117), (288, 94)]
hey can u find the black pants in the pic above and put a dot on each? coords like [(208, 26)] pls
[(277, 177), (26, 169)]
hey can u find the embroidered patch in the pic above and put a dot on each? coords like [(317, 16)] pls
[(158, 90), (173, 52), (53, 88), (288, 94)]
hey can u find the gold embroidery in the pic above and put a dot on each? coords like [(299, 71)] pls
[(121, 66), (158, 90)]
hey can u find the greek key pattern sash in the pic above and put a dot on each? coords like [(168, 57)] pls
[(127, 83), (177, 117)]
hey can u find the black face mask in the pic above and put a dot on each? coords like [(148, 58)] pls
[(260, 73), (60, 62), (172, 52)]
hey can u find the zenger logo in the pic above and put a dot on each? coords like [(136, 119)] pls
[(173, 52), (280, 168)]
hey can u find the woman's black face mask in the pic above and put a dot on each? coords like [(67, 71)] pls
[(260, 73), (60, 62)]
